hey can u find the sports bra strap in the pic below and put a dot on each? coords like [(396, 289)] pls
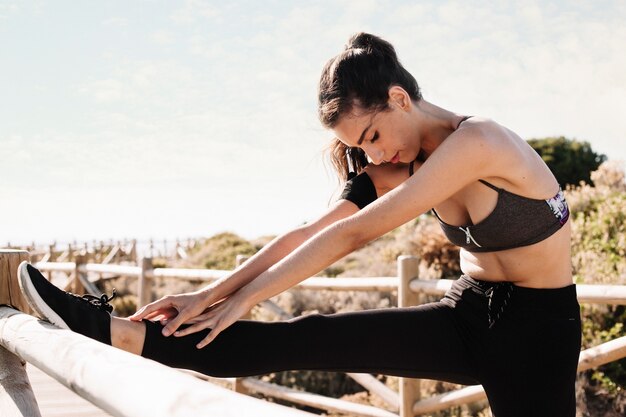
[(462, 120), (411, 169), (493, 187)]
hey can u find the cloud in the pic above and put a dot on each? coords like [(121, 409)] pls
[(7, 9), (164, 37), (116, 21), (194, 10), (105, 91)]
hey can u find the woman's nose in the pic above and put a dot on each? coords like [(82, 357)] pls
[(375, 155)]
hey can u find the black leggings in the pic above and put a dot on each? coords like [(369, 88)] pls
[(521, 344)]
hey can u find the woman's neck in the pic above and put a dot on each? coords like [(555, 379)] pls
[(435, 124)]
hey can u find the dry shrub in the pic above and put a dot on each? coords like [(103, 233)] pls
[(599, 227), (438, 257), (422, 238), (219, 252), (599, 257)]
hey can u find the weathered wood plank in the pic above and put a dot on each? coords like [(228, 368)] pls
[(16, 396), (10, 292), (314, 400)]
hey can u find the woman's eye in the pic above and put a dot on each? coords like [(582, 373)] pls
[(374, 138)]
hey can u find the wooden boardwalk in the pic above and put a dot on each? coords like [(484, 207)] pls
[(55, 400)]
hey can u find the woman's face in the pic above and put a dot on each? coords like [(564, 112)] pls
[(385, 136)]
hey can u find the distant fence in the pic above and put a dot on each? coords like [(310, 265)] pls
[(407, 402), (108, 251)]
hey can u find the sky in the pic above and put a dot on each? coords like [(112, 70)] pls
[(176, 119)]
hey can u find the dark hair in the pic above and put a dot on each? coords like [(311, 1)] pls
[(360, 75), (345, 159)]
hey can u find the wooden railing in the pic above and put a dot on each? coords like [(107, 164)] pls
[(120, 383), (409, 287)]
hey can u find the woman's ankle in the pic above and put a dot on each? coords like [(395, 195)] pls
[(128, 335)]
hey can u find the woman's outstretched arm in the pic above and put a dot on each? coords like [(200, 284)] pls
[(185, 308)]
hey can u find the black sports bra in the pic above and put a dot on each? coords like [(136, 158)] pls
[(515, 221)]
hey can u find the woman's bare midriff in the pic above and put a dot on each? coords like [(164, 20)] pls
[(546, 264)]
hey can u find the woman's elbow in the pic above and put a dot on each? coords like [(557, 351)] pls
[(353, 235)]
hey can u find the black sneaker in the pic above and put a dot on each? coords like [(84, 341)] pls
[(87, 314)]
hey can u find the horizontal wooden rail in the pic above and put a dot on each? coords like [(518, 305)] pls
[(302, 397), (602, 354), (315, 283), (589, 358), (124, 270), (597, 294), (193, 274), (55, 266), (601, 294), (350, 284), (121, 383), (314, 400)]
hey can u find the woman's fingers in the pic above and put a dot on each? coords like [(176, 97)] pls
[(201, 317), (148, 311), (183, 316), (163, 316), (215, 331), (194, 328)]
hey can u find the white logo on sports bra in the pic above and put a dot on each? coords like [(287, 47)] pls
[(559, 207)]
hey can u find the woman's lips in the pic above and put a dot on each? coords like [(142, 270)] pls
[(395, 159)]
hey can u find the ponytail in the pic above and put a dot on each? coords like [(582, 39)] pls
[(362, 75)]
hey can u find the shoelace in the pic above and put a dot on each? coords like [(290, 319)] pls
[(491, 316), (101, 302)]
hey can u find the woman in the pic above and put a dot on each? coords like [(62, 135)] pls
[(510, 323)]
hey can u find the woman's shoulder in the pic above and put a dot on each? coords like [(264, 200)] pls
[(488, 132), (497, 144), (513, 163)]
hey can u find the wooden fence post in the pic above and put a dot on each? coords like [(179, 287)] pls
[(144, 288), (16, 395), (77, 285), (408, 268), (50, 257), (133, 251), (10, 293)]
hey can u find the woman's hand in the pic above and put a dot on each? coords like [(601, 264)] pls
[(175, 310), (217, 318)]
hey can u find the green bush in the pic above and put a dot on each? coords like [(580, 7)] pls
[(570, 161), (220, 251)]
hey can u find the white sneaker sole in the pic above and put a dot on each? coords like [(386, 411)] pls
[(34, 299)]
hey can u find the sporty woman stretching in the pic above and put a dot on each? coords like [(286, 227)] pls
[(510, 323)]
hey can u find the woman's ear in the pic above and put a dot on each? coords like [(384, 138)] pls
[(399, 97)]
